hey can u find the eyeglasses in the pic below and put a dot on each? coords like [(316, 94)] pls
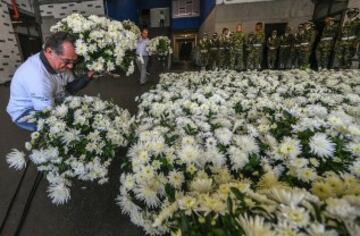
[(67, 62)]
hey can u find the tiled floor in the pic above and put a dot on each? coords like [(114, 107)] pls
[(92, 209)]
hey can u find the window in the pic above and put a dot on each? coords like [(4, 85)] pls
[(185, 8)]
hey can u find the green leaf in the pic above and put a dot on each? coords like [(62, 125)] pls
[(170, 192), (239, 195)]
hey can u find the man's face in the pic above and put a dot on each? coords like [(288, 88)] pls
[(258, 27), (64, 61), (239, 28), (144, 34)]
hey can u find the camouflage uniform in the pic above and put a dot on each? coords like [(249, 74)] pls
[(273, 46), (346, 46), (258, 46), (204, 46), (296, 50), (250, 52), (286, 43), (213, 52), (357, 27), (306, 45), (324, 48), (238, 41), (223, 51)]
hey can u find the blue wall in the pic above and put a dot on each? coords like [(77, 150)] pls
[(206, 6), (123, 10), (148, 4), (185, 23)]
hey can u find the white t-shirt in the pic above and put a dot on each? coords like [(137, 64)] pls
[(33, 87)]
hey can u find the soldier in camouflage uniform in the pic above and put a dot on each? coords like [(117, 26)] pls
[(324, 48), (273, 46), (346, 46), (204, 46), (258, 45), (213, 52), (296, 50), (306, 44), (286, 43), (223, 50), (250, 52), (238, 41)]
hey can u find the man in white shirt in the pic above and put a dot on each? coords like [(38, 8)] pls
[(44, 79), (143, 55), (162, 19)]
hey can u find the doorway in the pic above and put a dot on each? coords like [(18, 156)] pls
[(184, 43)]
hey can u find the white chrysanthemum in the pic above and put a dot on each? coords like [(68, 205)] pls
[(189, 154), (224, 135), (16, 159), (38, 156), (246, 143), (70, 135), (320, 230), (320, 145), (255, 226), (59, 193), (149, 193), (306, 174), (354, 147), (290, 148), (81, 47), (340, 208), (238, 158), (176, 178), (288, 197), (201, 185), (296, 215)]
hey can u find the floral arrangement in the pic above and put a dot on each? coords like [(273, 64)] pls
[(103, 45), (131, 26), (75, 139), (254, 153), (159, 46)]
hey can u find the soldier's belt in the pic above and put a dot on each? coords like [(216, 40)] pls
[(272, 48), (257, 45), (304, 44), (297, 45), (348, 38), (327, 39), (203, 50), (221, 48), (285, 46)]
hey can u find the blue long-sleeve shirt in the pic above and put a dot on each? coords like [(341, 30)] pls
[(36, 86)]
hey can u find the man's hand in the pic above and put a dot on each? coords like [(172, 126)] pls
[(90, 74)]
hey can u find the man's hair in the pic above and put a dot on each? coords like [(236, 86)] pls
[(56, 40)]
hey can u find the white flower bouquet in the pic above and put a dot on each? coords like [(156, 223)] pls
[(103, 45), (131, 26), (273, 130), (159, 46), (76, 139)]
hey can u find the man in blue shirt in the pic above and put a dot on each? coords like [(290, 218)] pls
[(143, 55), (44, 78)]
